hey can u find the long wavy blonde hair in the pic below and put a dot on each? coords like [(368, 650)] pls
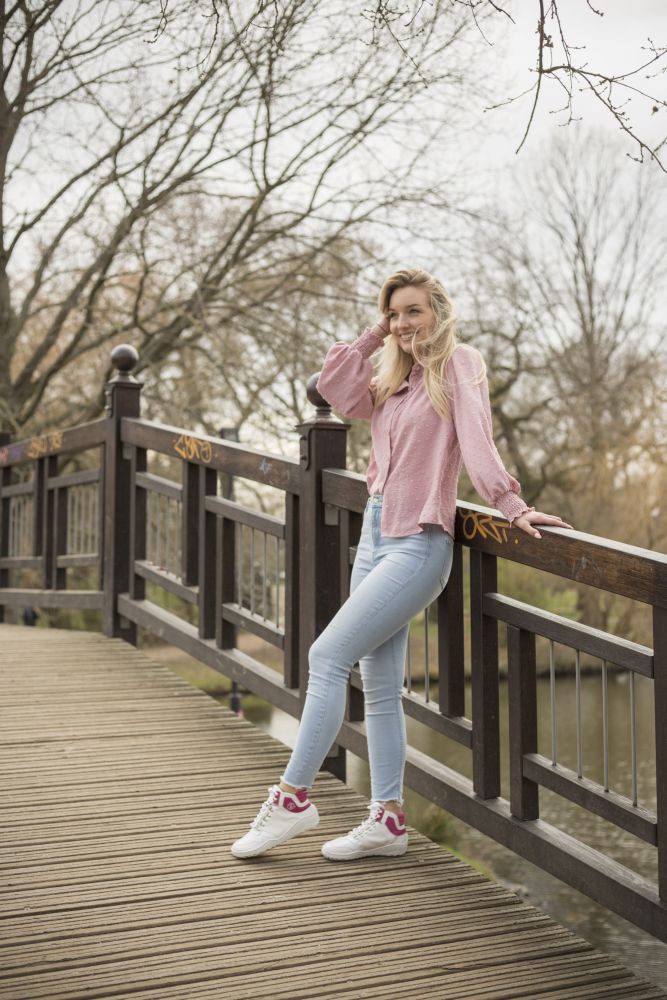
[(432, 353)]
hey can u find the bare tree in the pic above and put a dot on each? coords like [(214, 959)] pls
[(560, 60), (568, 304), (157, 181)]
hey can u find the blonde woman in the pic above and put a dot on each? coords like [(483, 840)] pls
[(428, 404)]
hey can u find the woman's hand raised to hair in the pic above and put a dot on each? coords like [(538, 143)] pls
[(530, 517), (381, 328)]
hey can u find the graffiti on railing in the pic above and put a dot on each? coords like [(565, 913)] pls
[(43, 444), (37, 447), (193, 449), (475, 523)]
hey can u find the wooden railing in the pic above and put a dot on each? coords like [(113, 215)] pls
[(281, 579)]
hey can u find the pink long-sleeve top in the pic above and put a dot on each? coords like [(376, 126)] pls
[(416, 456)]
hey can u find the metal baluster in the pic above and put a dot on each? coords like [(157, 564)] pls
[(252, 571), (175, 528), (70, 522), (79, 521), (75, 520), (149, 526), (87, 494), (605, 725), (158, 534), (84, 519), (94, 540), (427, 671), (264, 578), (91, 519), (84, 514), (633, 737), (78, 508), (28, 514), (166, 521), (163, 538), (239, 562), (168, 535), (71, 516), (82, 494), (577, 670), (174, 532), (552, 694), (178, 537), (277, 582), (158, 528), (12, 523)]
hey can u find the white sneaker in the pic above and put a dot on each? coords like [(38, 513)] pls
[(281, 817), (383, 832)]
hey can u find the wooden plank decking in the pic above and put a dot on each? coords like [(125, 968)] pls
[(122, 790)]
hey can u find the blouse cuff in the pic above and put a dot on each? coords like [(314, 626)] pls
[(368, 343), (512, 506)]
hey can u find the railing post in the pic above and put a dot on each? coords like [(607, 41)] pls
[(207, 555), (122, 394), (522, 693), (660, 702), (451, 667), (322, 445), (484, 679), (48, 467), (223, 543), (5, 479)]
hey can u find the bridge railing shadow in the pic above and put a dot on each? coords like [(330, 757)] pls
[(232, 568)]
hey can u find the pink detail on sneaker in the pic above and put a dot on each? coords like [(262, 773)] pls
[(393, 826), (293, 807)]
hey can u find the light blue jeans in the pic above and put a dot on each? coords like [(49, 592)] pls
[(393, 579)]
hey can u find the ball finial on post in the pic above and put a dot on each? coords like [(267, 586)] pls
[(124, 358), (318, 401)]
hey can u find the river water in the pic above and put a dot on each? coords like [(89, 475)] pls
[(637, 950)]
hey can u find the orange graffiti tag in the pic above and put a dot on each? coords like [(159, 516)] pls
[(44, 443), (193, 449), (486, 525)]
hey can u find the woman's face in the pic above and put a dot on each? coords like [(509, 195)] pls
[(410, 313)]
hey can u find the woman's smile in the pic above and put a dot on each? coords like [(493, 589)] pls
[(410, 316)]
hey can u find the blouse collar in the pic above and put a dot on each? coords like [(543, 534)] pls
[(414, 376)]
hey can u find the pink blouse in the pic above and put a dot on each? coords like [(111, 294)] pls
[(416, 455)]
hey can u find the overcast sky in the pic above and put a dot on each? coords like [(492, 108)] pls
[(613, 44)]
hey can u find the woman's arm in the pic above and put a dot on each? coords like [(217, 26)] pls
[(474, 428), (347, 371), (471, 411)]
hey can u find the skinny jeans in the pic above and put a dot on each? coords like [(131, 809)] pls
[(393, 579)]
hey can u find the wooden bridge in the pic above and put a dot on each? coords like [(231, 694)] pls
[(124, 788)]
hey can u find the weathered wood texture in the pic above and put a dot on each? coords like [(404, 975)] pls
[(123, 788)]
